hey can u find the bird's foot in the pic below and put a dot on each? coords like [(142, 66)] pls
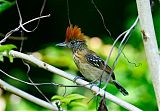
[(96, 83), (92, 84), (77, 77)]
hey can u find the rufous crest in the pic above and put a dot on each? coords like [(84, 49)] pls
[(74, 33)]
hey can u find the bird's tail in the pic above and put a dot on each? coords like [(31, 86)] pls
[(121, 89)]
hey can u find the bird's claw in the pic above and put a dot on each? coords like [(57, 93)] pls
[(92, 84), (77, 77)]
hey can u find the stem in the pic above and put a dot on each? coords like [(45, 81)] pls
[(150, 44), (71, 77)]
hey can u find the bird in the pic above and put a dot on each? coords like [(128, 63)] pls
[(90, 65)]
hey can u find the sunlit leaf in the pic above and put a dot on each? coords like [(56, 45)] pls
[(56, 97), (79, 104), (7, 47), (67, 99), (4, 5), (74, 97), (70, 101), (1, 57)]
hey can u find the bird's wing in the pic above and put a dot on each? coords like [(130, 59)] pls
[(96, 61)]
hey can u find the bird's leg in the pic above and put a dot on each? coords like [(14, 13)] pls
[(95, 83), (92, 84)]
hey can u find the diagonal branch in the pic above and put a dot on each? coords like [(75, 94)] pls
[(27, 96), (71, 77)]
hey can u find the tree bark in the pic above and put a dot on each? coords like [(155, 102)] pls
[(150, 44)]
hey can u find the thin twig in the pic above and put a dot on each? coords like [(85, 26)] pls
[(124, 38), (26, 30), (21, 20), (28, 70), (127, 32), (16, 29), (68, 14), (110, 53), (14, 37), (38, 84), (104, 24)]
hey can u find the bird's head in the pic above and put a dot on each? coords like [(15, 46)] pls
[(74, 38)]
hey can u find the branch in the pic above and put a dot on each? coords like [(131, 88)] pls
[(71, 77), (150, 44), (27, 96)]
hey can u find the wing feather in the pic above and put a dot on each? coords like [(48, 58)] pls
[(96, 61)]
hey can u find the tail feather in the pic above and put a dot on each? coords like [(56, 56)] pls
[(121, 89)]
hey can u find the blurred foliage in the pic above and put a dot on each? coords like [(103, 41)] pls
[(119, 15), (5, 4)]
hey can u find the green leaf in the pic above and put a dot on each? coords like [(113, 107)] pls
[(5, 5), (1, 57), (56, 97), (68, 98), (78, 104), (10, 57), (7, 47), (74, 97), (69, 101)]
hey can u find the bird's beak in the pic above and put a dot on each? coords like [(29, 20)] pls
[(63, 44)]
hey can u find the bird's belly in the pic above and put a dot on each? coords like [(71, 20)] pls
[(93, 73)]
